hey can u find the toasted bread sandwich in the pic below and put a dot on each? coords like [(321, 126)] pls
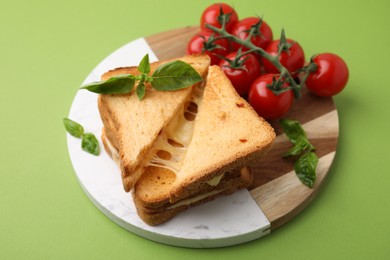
[(203, 150), (133, 126)]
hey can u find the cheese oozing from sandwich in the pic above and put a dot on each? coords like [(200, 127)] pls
[(216, 180), (171, 146), (192, 200)]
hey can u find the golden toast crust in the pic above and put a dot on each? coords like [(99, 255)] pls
[(228, 136), (159, 215), (133, 126)]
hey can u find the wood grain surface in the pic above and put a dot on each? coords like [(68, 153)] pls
[(276, 189)]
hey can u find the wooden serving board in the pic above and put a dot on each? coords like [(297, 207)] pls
[(276, 189)]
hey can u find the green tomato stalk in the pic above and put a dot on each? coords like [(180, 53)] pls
[(285, 75)]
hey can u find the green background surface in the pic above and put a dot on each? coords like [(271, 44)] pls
[(47, 48)]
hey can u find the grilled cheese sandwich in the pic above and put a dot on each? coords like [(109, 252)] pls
[(203, 149)]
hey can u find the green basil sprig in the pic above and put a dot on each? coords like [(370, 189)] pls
[(89, 143), (73, 128), (170, 76), (306, 164), (174, 75), (305, 168), (120, 84)]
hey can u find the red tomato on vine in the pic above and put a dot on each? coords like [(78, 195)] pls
[(203, 43), (263, 34), (242, 71), (213, 15), (292, 56), (267, 104), (330, 77)]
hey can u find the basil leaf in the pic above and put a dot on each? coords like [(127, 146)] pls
[(90, 144), (174, 75), (297, 149), (305, 168), (293, 130), (73, 127), (144, 65), (120, 84), (140, 90)]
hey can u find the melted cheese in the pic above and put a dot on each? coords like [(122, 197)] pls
[(194, 199), (113, 150), (216, 180), (179, 130)]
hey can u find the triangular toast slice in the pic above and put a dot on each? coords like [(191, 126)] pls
[(132, 126), (225, 136), (228, 135)]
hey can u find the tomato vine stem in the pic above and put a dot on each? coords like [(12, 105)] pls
[(296, 88)]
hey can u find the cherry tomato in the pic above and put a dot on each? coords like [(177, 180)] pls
[(243, 76), (292, 60), (198, 44), (241, 30), (211, 14), (330, 77), (265, 102)]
